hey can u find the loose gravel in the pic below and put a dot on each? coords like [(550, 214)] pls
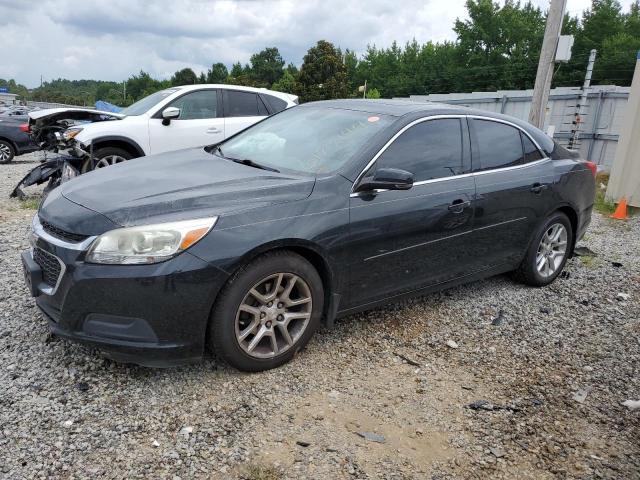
[(488, 380)]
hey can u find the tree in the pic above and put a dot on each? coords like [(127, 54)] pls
[(287, 83), (266, 67), (351, 68), (499, 46), (616, 59), (141, 85), (218, 73), (186, 76), (14, 87), (373, 93), (632, 21), (322, 75), (236, 70)]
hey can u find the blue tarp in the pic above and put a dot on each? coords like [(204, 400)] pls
[(107, 107)]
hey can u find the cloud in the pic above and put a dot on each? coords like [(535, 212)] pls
[(110, 40)]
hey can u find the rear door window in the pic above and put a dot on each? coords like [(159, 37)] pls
[(495, 145), (242, 104)]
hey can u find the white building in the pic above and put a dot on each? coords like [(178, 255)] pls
[(8, 98)]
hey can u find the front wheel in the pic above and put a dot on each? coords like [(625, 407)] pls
[(548, 252), (105, 157), (267, 312)]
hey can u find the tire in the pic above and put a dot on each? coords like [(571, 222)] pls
[(529, 272), (106, 156), (7, 152), (229, 322)]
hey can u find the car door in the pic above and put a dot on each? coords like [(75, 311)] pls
[(403, 240), (200, 123), (511, 190), (241, 110)]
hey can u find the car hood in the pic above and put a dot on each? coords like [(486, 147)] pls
[(182, 184), (70, 116)]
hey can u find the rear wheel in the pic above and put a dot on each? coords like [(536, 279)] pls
[(267, 312), (105, 157), (548, 252), (6, 152)]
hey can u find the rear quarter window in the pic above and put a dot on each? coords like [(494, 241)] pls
[(495, 145), (276, 104), (241, 104)]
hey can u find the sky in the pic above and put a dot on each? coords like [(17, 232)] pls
[(112, 39)]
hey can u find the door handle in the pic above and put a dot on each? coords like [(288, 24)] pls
[(458, 206), (213, 130), (538, 187)]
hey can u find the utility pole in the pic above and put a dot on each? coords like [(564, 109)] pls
[(124, 91), (575, 132), (545, 64)]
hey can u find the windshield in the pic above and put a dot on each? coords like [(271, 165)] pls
[(306, 139), (143, 105)]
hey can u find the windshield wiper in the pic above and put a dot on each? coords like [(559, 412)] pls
[(251, 163)]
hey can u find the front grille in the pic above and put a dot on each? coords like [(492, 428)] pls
[(49, 264), (62, 234)]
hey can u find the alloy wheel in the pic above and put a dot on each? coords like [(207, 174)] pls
[(273, 315), (109, 160), (5, 153), (552, 250)]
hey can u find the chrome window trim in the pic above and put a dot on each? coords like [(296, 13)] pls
[(40, 232), (507, 122), (444, 179), (514, 167)]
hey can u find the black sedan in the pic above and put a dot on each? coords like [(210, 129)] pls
[(14, 139), (245, 248)]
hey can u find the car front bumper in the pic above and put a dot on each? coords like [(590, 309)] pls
[(152, 315)]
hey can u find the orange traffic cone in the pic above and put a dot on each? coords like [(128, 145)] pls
[(621, 210)]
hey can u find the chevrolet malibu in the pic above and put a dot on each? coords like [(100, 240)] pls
[(244, 248)]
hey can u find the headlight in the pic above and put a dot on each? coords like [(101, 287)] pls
[(148, 243), (70, 133)]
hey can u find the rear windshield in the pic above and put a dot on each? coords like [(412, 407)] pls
[(307, 139)]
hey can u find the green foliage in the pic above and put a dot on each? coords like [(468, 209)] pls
[(14, 87), (218, 73), (266, 67), (373, 93), (186, 76), (323, 75), (287, 83)]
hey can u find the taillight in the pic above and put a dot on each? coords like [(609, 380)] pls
[(24, 127), (593, 167)]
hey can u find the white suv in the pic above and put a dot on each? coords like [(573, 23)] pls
[(171, 119)]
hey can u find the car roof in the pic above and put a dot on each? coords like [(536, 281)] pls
[(226, 86), (395, 108), (415, 110)]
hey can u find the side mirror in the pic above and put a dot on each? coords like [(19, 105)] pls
[(387, 179), (169, 113)]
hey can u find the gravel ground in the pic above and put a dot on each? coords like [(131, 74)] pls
[(545, 379)]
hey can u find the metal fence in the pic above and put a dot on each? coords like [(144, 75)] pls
[(598, 131)]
